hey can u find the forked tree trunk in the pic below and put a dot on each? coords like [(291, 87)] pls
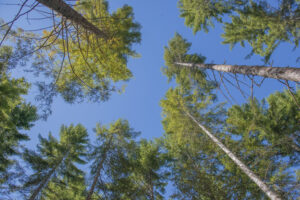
[(284, 73), (271, 194), (69, 13)]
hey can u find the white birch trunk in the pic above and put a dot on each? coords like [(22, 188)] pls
[(284, 73), (271, 194)]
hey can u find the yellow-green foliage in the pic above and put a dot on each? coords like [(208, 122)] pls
[(11, 89), (91, 63)]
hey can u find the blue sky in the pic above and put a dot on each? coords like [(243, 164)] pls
[(140, 102)]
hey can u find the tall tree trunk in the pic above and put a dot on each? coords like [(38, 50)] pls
[(271, 194), (69, 13), (46, 179), (98, 170), (152, 197), (284, 73), (41, 186)]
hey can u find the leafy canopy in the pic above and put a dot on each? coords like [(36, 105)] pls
[(87, 66), (262, 24)]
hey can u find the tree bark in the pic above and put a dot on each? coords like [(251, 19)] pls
[(40, 187), (284, 73), (151, 187), (98, 170), (69, 13), (271, 194), (46, 179)]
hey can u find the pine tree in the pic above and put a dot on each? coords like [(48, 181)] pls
[(148, 174), (176, 56), (260, 23), (186, 108), (197, 171), (15, 116), (55, 160), (110, 160), (268, 139)]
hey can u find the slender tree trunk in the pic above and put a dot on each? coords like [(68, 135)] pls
[(98, 171), (46, 179), (69, 13), (284, 73), (41, 186), (271, 194), (151, 187)]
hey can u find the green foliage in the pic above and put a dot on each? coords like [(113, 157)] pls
[(277, 123), (149, 176), (196, 170), (56, 161), (111, 166), (56, 189), (11, 89), (187, 77), (15, 114), (201, 171), (267, 137), (262, 28), (200, 14), (263, 25), (87, 66), (124, 168)]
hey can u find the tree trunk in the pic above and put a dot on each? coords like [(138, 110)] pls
[(46, 179), (271, 194), (98, 170), (38, 189), (284, 73), (69, 13), (151, 187)]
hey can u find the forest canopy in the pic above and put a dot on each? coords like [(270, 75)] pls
[(227, 130)]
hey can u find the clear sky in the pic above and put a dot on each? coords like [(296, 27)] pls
[(140, 102)]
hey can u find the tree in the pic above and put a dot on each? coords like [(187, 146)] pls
[(70, 14), (148, 174), (89, 64), (195, 167), (58, 6), (110, 162), (267, 137), (175, 108), (260, 23), (194, 94), (56, 160), (78, 64), (15, 116), (259, 182), (284, 73), (176, 54)]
